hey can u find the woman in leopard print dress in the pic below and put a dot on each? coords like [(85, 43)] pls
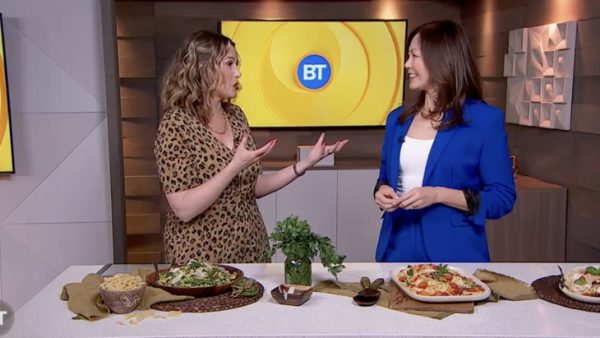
[(208, 164)]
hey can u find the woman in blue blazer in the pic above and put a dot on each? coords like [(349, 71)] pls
[(445, 165)]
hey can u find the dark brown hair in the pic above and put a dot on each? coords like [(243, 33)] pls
[(446, 52)]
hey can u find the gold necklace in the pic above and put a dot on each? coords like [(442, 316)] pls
[(225, 125)]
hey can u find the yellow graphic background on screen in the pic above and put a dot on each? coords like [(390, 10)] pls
[(366, 82), (6, 164)]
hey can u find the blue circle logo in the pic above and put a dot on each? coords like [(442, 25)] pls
[(313, 72)]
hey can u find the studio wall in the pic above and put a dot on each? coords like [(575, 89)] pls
[(569, 158), (148, 34), (55, 210)]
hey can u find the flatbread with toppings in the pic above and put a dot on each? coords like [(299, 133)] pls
[(437, 280), (584, 281)]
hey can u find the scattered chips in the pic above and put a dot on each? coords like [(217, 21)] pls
[(136, 317)]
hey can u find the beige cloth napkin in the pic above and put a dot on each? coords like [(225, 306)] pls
[(83, 298), (84, 301), (504, 286), (351, 289)]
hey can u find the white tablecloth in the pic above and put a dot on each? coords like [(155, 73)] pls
[(324, 315)]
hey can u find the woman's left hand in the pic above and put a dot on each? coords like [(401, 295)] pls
[(418, 198), (321, 150)]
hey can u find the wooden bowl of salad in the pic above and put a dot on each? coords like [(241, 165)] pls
[(196, 278)]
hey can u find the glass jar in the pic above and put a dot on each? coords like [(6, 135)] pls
[(298, 271)]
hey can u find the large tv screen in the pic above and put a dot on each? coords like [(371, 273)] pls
[(6, 151), (319, 73)]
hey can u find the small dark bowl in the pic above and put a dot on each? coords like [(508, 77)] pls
[(367, 297), (300, 294), (196, 292)]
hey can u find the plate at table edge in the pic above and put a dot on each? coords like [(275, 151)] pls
[(576, 296), (196, 292), (444, 299)]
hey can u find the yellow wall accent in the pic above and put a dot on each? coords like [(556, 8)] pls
[(6, 162), (366, 59)]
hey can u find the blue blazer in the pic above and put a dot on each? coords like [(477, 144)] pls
[(471, 156)]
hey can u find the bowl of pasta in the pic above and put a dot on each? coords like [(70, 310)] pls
[(439, 283), (122, 293), (195, 278), (582, 283)]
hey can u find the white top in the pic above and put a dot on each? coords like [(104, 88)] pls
[(413, 159), (324, 315)]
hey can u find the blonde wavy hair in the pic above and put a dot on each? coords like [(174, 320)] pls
[(193, 74)]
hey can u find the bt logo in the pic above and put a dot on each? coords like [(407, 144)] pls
[(7, 317), (313, 72)]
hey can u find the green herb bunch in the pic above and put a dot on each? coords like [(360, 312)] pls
[(293, 237)]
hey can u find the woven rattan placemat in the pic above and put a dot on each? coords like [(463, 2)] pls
[(547, 289), (220, 302)]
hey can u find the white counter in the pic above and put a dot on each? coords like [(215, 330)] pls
[(323, 315)]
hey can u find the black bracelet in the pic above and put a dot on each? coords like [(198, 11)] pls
[(377, 186), (296, 170), (472, 198)]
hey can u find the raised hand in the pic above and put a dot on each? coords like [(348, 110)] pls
[(244, 157), (321, 149)]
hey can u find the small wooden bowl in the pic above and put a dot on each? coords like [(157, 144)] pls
[(291, 294), (122, 301)]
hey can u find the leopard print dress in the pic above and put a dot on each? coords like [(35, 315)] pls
[(231, 230)]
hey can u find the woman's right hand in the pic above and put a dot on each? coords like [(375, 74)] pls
[(386, 198), (243, 157)]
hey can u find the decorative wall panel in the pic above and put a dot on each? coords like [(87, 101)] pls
[(540, 66)]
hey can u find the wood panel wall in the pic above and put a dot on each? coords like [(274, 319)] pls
[(535, 230), (569, 158), (139, 119), (148, 32)]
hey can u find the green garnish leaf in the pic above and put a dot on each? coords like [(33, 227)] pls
[(244, 287), (593, 270), (440, 270)]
